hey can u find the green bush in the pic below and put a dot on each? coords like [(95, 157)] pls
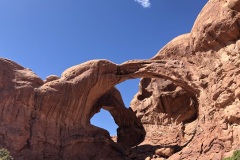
[(235, 156), (5, 154)]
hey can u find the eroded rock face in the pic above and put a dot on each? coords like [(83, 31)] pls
[(51, 119), (206, 127), (187, 106), (167, 112)]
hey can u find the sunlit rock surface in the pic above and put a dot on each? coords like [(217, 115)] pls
[(51, 119), (187, 106), (207, 127)]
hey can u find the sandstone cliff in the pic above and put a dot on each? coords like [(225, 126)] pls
[(207, 126), (187, 106)]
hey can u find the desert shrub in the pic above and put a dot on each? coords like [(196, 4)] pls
[(235, 156), (5, 154)]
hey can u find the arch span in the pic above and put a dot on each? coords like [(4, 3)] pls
[(58, 111), (84, 89)]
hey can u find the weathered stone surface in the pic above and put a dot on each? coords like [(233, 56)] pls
[(51, 119), (207, 126), (164, 152), (187, 106)]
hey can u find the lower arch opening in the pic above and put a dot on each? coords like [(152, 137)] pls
[(104, 120)]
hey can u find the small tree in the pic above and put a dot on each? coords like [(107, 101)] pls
[(5, 154), (235, 156)]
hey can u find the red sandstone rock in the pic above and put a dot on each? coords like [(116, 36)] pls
[(188, 100), (164, 152), (51, 119), (210, 128)]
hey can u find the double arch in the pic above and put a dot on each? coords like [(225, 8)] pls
[(90, 87)]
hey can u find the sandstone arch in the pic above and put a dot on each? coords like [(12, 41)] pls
[(95, 78), (62, 107), (50, 120)]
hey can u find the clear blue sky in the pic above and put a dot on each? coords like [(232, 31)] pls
[(49, 36)]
